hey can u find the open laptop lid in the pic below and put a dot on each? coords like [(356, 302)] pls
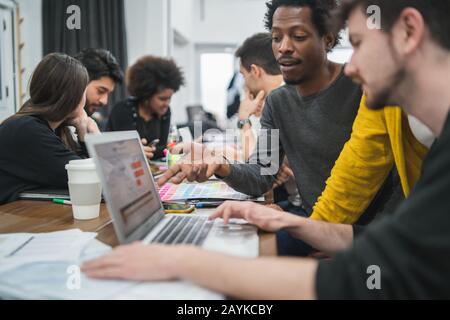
[(128, 187)]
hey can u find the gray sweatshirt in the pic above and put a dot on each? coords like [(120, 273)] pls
[(312, 132)]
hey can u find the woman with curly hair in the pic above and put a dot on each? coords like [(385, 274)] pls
[(151, 82)]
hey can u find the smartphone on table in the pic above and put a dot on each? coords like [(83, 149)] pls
[(154, 143), (178, 207)]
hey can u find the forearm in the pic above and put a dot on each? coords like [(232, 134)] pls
[(248, 179), (247, 278), (328, 238), (248, 141), (257, 176)]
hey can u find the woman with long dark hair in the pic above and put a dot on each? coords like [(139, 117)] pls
[(37, 142)]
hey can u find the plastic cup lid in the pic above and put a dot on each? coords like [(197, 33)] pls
[(83, 164)]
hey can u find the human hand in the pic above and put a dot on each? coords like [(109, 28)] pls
[(148, 150), (83, 123), (137, 262), (251, 105), (199, 163), (284, 174), (261, 216)]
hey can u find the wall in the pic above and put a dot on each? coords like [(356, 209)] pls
[(147, 28), (182, 17), (31, 36), (182, 12), (228, 21)]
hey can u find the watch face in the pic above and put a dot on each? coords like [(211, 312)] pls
[(242, 123)]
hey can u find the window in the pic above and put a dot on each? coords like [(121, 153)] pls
[(217, 66), (343, 52)]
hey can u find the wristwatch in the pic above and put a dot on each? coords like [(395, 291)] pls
[(242, 123)]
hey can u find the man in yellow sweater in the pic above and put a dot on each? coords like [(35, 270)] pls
[(380, 139)]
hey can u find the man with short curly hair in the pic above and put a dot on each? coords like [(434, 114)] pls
[(151, 82)]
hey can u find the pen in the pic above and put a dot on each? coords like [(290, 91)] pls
[(20, 247), (61, 201), (202, 205)]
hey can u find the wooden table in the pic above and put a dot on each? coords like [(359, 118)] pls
[(41, 216)]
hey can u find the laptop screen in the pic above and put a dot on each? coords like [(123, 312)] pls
[(132, 193)]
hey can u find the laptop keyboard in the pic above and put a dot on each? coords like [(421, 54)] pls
[(184, 230)]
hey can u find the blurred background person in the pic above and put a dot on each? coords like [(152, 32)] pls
[(104, 74), (151, 83)]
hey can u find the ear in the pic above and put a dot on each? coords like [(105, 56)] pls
[(409, 30), (256, 70), (328, 41)]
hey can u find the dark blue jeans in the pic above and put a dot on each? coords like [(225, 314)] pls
[(288, 245)]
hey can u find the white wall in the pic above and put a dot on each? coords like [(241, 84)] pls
[(147, 24), (182, 13), (31, 36), (182, 17), (184, 55), (228, 21)]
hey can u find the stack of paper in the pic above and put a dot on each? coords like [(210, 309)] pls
[(22, 248), (47, 267)]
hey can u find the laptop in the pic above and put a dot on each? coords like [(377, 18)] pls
[(45, 194), (136, 208)]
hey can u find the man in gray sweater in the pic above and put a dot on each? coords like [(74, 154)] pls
[(313, 113)]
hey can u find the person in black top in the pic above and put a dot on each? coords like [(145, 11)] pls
[(404, 61), (36, 143), (151, 82)]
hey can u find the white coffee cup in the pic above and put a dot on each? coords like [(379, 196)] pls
[(84, 188)]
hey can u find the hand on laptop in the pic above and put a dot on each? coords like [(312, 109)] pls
[(263, 217), (134, 262), (199, 163)]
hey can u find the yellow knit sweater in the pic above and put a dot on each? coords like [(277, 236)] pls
[(379, 140)]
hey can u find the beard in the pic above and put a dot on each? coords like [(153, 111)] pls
[(89, 110), (379, 99), (93, 108), (385, 96), (294, 82)]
